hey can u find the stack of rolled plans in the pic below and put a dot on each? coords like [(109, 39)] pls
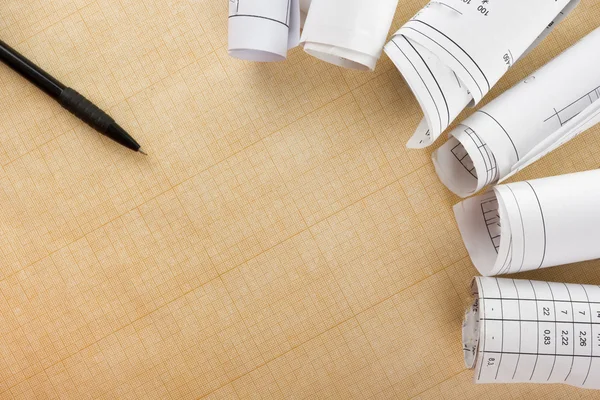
[(549, 108), (348, 33), (531, 225), (453, 52), (520, 331), (263, 30)]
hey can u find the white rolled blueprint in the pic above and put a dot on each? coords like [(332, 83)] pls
[(531, 225), (549, 108), (521, 331), (454, 51), (263, 30), (348, 33)]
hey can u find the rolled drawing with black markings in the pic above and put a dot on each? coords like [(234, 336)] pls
[(263, 30), (521, 331), (348, 33), (452, 52), (546, 110), (531, 225)]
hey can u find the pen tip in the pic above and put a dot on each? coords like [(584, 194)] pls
[(142, 152)]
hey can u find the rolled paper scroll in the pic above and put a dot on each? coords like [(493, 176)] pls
[(520, 331), (531, 225), (348, 33), (453, 52), (263, 30), (528, 121)]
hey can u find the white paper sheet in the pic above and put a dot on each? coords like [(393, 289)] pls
[(304, 7), (453, 52), (521, 331), (263, 30), (531, 225), (549, 108), (348, 33)]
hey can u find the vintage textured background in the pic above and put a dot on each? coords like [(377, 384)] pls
[(280, 242)]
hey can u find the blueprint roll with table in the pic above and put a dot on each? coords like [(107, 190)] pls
[(521, 331)]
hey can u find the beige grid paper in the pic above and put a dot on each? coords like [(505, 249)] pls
[(279, 242)]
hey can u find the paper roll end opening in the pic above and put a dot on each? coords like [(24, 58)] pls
[(478, 220), (470, 334), (455, 169), (345, 58)]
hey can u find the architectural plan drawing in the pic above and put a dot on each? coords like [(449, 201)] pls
[(531, 225), (526, 122), (449, 67), (521, 331)]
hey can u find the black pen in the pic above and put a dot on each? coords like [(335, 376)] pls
[(67, 97)]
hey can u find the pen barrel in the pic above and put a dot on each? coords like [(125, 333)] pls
[(85, 110), (28, 70)]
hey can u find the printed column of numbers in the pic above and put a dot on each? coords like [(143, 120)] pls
[(539, 332)]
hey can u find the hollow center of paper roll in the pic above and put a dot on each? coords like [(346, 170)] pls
[(485, 230), (470, 334), (465, 159), (456, 168)]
